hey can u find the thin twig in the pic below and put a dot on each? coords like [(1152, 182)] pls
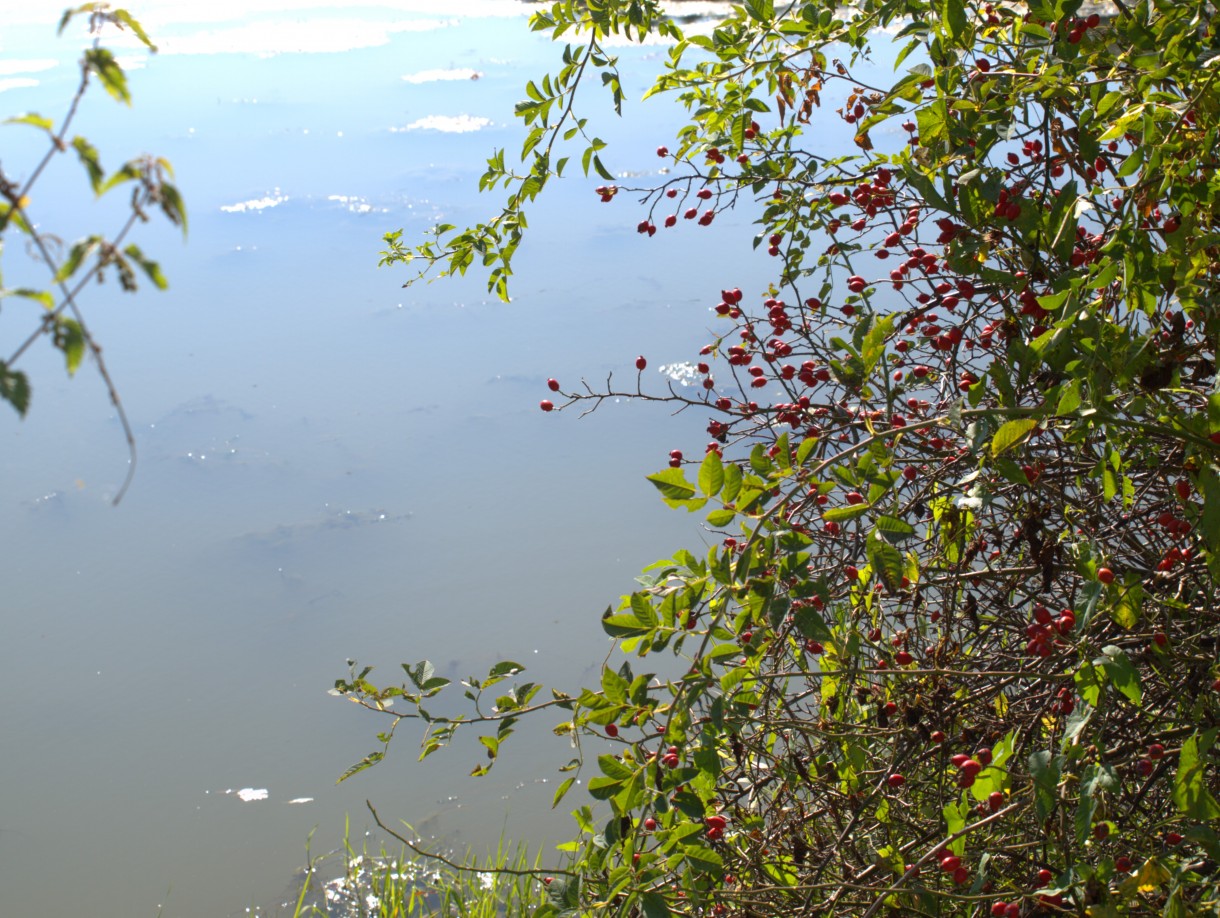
[(454, 865)]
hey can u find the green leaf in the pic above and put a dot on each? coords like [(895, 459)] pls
[(109, 73), (732, 482), (1129, 602), (40, 296), (1190, 792), (810, 624), (702, 858), (561, 791), (885, 560), (14, 389), (672, 484), (711, 474), (614, 686), (129, 172), (69, 337), (838, 514), (124, 18), (367, 762), (1090, 681), (955, 18), (1045, 767), (33, 120), (172, 205), (654, 905), (1122, 675), (1010, 434), (1069, 399), (89, 159), (803, 450), (718, 519), (611, 767), (894, 529), (150, 267), (955, 814), (1094, 780), (603, 788), (602, 170)]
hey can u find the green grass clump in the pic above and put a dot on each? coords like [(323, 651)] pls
[(503, 884)]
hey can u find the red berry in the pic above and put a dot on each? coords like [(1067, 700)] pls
[(546, 405), (1173, 838), (662, 151), (1045, 877), (1156, 751), (950, 863), (1160, 639), (650, 824), (1182, 486), (1122, 864), (612, 730), (896, 780), (998, 909), (553, 385), (640, 363), (938, 736), (1105, 575), (961, 875), (995, 800)]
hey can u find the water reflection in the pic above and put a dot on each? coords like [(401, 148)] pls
[(330, 466)]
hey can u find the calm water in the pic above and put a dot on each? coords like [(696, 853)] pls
[(329, 466)]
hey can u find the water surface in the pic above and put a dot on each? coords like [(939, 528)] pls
[(330, 466)]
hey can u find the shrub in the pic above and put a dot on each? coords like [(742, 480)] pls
[(954, 651)]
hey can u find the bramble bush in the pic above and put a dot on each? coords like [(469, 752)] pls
[(955, 648), (60, 318)]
